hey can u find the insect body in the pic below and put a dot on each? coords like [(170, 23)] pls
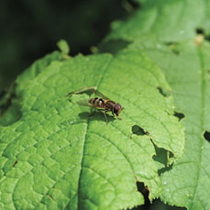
[(107, 105), (103, 103)]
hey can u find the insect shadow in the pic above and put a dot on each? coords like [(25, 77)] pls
[(95, 116)]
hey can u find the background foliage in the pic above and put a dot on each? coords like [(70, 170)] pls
[(30, 29)]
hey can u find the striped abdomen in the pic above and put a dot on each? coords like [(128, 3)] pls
[(101, 103), (97, 102)]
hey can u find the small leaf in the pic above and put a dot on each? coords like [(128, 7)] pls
[(63, 46)]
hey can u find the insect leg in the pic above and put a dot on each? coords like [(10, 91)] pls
[(119, 118), (105, 116), (113, 112)]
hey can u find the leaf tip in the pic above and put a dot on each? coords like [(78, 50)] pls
[(63, 46)]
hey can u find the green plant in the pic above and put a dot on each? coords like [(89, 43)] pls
[(54, 155)]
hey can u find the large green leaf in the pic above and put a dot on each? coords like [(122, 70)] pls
[(166, 20), (56, 156), (188, 183), (193, 171), (165, 30)]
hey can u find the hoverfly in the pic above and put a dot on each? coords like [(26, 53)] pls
[(101, 103)]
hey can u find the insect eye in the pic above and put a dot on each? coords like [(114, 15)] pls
[(117, 107)]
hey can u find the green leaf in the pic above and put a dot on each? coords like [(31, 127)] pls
[(166, 20), (64, 47), (193, 171), (165, 30), (190, 82), (56, 156)]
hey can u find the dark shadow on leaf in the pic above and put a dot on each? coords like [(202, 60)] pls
[(174, 47), (207, 135), (85, 117), (96, 116), (161, 155), (113, 46), (163, 170)]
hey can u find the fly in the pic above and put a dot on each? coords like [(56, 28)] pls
[(102, 102)]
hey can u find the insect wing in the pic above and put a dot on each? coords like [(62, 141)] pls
[(82, 90), (87, 103), (84, 102), (86, 90), (96, 92)]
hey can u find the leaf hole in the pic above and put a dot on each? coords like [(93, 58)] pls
[(201, 32), (164, 92), (179, 115), (159, 205), (144, 191), (138, 130), (207, 135)]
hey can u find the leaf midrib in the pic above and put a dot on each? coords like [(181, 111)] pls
[(85, 137)]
